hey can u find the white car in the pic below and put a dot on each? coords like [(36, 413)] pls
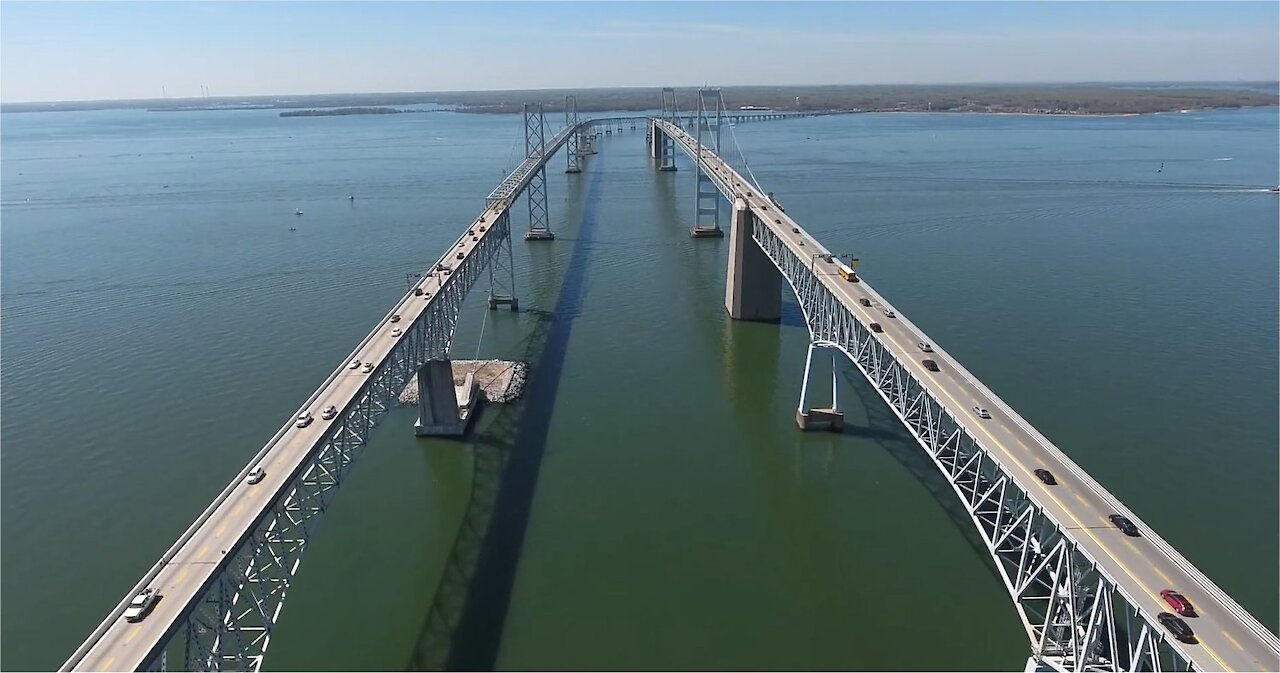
[(396, 332), (355, 364), (256, 475), (368, 367), (141, 605), (304, 419), (888, 312), (982, 412), (924, 346), (329, 412)]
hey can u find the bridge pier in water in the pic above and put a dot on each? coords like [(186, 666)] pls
[(823, 418), (753, 288), (443, 408)]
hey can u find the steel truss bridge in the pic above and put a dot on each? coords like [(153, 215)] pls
[(1086, 595)]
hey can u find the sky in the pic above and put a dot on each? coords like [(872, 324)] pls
[(55, 51)]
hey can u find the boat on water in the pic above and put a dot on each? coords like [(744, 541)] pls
[(297, 212), (1275, 190)]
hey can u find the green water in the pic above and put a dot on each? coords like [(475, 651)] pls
[(659, 509)]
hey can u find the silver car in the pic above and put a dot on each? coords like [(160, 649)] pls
[(141, 605), (982, 412), (256, 475)]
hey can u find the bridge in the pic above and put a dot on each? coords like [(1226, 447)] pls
[(1086, 593)]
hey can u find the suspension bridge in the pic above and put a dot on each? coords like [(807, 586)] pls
[(1086, 590)]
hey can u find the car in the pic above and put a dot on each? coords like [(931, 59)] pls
[(1046, 477), (777, 221), (982, 412), (395, 318), (397, 332), (482, 228), (795, 230), (1124, 524), (475, 238), (1178, 602), (482, 220), (930, 365), (864, 301), (888, 313), (1177, 627), (368, 367), (355, 364), (329, 412), (304, 419), (924, 346), (875, 327), (141, 605), (256, 475), (417, 292), (460, 256)]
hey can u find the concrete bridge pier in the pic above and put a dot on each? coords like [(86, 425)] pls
[(753, 289), (824, 418), (661, 148), (443, 408)]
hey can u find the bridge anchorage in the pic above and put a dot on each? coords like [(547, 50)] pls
[(1086, 593)]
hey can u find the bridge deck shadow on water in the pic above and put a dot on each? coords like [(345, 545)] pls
[(464, 625)]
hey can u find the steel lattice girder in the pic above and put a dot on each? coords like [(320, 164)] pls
[(1076, 618), (229, 626)]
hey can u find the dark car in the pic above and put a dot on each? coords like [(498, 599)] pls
[(1177, 627), (395, 318), (1126, 526), (864, 301), (930, 365), (1178, 602), (875, 327), (1046, 476), (417, 292)]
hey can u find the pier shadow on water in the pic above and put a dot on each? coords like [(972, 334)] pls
[(464, 625)]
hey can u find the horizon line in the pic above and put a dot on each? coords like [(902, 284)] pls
[(614, 88)]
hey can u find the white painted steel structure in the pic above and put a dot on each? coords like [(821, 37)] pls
[(1086, 594)]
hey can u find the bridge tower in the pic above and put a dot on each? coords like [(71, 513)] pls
[(662, 146), (535, 144), (502, 269), (706, 217), (571, 146)]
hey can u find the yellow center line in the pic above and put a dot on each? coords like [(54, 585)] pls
[(106, 666), (1055, 498), (203, 548), (1233, 640), (238, 507), (221, 528), (182, 574), (132, 633)]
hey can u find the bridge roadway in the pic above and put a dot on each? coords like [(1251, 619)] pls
[(1230, 638), (190, 566)]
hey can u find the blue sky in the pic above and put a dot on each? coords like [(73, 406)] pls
[(101, 50)]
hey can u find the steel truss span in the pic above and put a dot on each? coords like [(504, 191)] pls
[(1076, 615), (227, 623)]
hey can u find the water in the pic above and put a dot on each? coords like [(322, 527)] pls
[(661, 510)]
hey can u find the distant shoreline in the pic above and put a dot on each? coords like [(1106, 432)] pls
[(1040, 99)]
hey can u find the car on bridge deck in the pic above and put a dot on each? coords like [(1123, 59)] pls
[(396, 332), (141, 605), (888, 312), (417, 292), (1177, 627), (982, 412), (355, 364), (864, 301), (304, 419), (930, 365), (395, 318), (1124, 524), (1178, 602), (924, 345), (368, 367), (329, 412), (256, 475), (1046, 477), (875, 327)]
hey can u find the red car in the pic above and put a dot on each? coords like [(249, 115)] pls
[(1178, 602)]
